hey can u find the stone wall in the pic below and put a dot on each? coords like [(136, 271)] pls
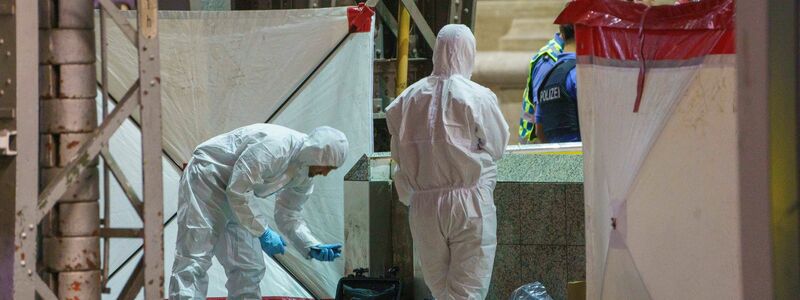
[(540, 212), (540, 237)]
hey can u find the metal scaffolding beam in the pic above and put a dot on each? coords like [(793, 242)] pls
[(422, 24), (19, 100), (72, 142), (150, 97)]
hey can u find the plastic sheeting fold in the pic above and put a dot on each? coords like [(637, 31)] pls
[(658, 129), (223, 70)]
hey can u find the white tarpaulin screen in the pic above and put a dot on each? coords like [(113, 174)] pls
[(657, 116), (223, 70), (227, 68)]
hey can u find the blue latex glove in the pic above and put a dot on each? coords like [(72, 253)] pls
[(327, 252), (272, 243)]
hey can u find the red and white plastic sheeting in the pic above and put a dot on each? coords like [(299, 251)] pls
[(656, 90)]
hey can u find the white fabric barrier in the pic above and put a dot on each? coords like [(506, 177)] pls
[(223, 70), (656, 90), (226, 68), (667, 175)]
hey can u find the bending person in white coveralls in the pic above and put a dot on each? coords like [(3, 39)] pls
[(217, 209), (447, 135)]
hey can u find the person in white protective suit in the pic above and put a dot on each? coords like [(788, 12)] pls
[(447, 135), (218, 211)]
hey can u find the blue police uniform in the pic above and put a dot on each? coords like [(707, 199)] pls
[(557, 102), (541, 63)]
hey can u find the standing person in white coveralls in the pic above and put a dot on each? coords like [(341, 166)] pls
[(447, 135), (217, 208)]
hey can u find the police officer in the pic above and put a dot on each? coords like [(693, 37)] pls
[(541, 63), (556, 102)]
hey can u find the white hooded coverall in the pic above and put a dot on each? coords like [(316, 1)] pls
[(447, 134), (217, 211)]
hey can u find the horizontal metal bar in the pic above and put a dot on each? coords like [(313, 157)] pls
[(127, 188), (121, 232), (516, 149), (545, 148), (422, 25), (120, 20), (7, 113), (7, 145), (42, 289), (89, 151)]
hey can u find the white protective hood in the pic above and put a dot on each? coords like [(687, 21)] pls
[(455, 52)]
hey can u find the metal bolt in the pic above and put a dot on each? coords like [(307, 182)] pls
[(457, 2), (2, 41), (466, 10), (152, 57), (24, 235), (22, 263), (8, 81), (455, 18), (152, 83), (30, 226), (30, 272), (2, 92), (8, 53)]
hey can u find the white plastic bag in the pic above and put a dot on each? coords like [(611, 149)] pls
[(531, 291)]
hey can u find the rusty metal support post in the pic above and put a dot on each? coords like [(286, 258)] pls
[(150, 103), (71, 242), (19, 117), (106, 181)]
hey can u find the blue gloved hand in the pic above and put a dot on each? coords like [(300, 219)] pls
[(272, 243), (327, 252)]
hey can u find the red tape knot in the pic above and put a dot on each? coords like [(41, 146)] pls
[(359, 18)]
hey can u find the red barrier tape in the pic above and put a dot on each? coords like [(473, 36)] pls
[(622, 30), (359, 18)]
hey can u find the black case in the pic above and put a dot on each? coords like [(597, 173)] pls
[(359, 287)]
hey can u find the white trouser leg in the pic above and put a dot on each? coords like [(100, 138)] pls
[(240, 254), (456, 238)]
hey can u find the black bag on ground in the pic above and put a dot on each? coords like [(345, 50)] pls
[(359, 287)]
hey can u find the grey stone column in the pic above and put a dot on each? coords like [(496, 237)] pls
[(68, 86)]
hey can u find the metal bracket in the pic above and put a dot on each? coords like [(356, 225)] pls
[(8, 144), (455, 12), (7, 113)]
